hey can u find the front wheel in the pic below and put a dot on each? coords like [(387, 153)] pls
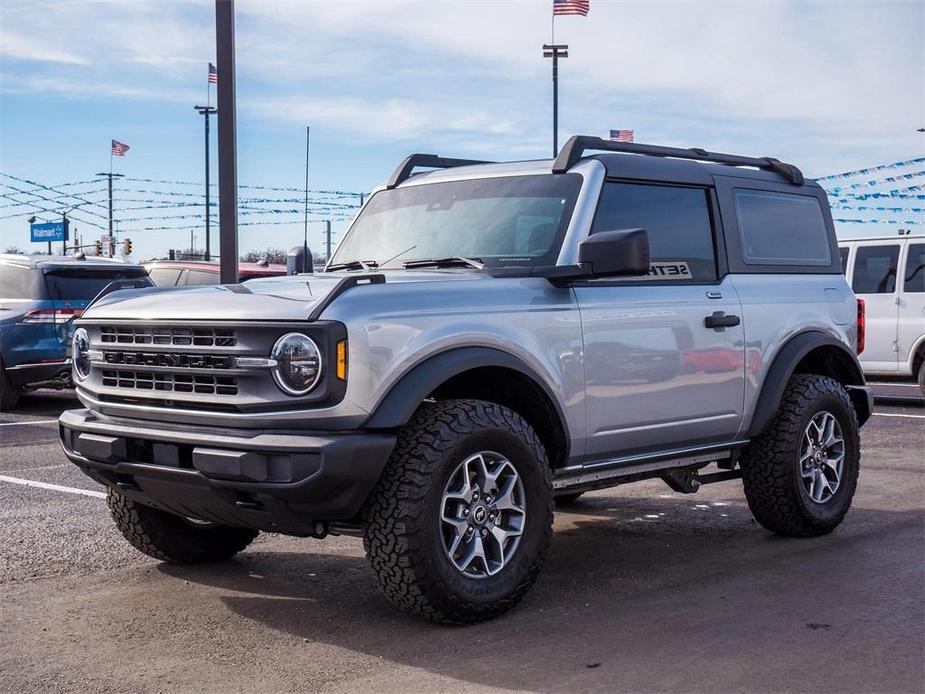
[(459, 524), (801, 474), (173, 539)]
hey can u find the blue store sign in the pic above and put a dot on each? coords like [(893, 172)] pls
[(48, 231)]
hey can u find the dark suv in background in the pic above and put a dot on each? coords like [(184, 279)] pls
[(39, 298)]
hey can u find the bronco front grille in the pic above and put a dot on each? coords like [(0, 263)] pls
[(170, 382), (137, 335), (174, 360)]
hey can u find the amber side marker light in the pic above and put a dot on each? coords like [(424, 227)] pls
[(342, 360)]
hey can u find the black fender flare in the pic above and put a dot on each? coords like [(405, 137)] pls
[(786, 361), (404, 397)]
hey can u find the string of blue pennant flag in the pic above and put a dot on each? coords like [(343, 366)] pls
[(871, 169)]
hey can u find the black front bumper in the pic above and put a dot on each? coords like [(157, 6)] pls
[(276, 481)]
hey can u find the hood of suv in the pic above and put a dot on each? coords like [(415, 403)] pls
[(276, 298)]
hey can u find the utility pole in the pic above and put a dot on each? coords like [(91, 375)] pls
[(305, 225), (64, 239), (555, 51), (327, 235), (207, 111), (227, 143), (110, 176)]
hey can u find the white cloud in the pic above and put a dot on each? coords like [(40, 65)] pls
[(22, 47)]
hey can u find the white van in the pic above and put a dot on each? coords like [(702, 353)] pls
[(888, 272)]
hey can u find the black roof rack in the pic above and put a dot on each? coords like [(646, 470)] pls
[(404, 170), (576, 146)]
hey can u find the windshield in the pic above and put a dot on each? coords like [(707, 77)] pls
[(510, 221), (83, 284)]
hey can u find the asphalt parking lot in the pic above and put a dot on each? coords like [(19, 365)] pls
[(644, 590)]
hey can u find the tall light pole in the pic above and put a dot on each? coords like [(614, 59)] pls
[(207, 111), (227, 143), (555, 51)]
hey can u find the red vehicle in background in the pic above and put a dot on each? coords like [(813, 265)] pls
[(182, 273)]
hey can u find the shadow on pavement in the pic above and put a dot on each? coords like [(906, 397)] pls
[(45, 403), (638, 594)]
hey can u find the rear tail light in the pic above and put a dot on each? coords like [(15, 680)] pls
[(862, 326), (50, 315)]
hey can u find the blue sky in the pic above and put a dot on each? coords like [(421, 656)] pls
[(831, 86)]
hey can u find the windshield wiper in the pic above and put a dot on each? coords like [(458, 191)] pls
[(445, 262), (353, 265)]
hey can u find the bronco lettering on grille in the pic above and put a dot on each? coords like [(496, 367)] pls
[(188, 361)]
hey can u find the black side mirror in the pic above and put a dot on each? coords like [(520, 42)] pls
[(612, 253), (298, 260)]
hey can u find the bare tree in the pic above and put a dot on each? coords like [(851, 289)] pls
[(15, 250), (272, 255)]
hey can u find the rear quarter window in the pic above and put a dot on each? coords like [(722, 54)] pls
[(781, 229), (16, 282), (915, 269), (201, 277)]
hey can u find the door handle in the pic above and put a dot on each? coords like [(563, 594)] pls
[(720, 321)]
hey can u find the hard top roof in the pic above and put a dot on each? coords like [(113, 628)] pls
[(644, 162), (49, 261)]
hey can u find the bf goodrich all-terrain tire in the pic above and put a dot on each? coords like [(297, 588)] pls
[(459, 524), (173, 539), (801, 474), (9, 394)]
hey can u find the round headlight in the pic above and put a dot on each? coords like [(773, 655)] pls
[(80, 353), (298, 363)]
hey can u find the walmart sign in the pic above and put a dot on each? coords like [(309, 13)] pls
[(48, 231)]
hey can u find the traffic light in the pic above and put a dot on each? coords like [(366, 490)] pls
[(127, 247), (98, 247)]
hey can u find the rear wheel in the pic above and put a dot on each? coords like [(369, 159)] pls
[(173, 539), (9, 394), (801, 474), (922, 377), (459, 524)]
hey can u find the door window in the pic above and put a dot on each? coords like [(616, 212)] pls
[(915, 269), (677, 220), (875, 269)]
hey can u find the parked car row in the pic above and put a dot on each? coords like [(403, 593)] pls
[(40, 296)]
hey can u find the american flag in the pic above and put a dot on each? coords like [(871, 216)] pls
[(119, 148), (621, 135), (571, 7), (213, 74)]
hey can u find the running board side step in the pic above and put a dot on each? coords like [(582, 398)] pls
[(679, 469)]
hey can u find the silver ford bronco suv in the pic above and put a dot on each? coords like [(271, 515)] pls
[(487, 340)]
